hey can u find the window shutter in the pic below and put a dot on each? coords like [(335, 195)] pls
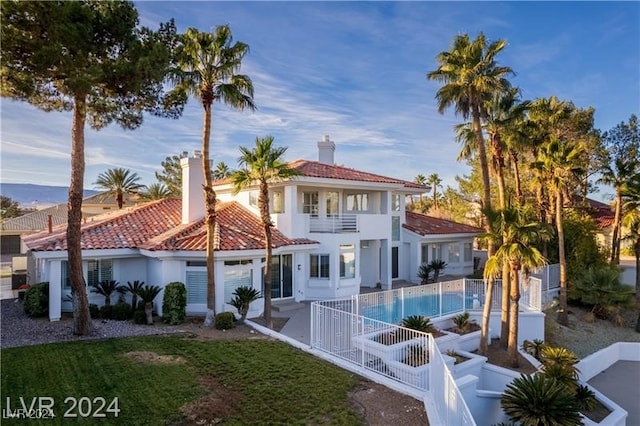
[(197, 287)]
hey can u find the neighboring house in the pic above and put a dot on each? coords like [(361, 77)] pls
[(336, 229), (11, 230), (603, 215)]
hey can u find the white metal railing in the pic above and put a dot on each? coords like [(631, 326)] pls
[(447, 398), (401, 354), (334, 224)]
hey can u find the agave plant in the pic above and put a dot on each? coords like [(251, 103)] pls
[(242, 298), (533, 348), (147, 294), (418, 323), (560, 364), (539, 400), (462, 323), (106, 288)]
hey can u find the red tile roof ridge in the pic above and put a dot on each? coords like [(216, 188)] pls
[(423, 224)]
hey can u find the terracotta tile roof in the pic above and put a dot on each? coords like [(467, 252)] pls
[(236, 229), (601, 213), (157, 226), (125, 228), (427, 225), (327, 171)]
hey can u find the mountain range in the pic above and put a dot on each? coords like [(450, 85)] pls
[(38, 196)]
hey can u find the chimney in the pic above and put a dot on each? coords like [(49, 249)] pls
[(326, 148), (192, 181)]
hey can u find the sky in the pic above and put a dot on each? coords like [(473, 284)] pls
[(355, 71)]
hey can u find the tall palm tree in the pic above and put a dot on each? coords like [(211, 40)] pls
[(208, 70), (118, 182), (558, 162), (222, 171), (470, 74), (263, 165), (518, 253), (420, 179), (631, 196), (434, 181), (155, 191), (504, 113)]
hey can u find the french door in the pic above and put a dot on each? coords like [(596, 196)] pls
[(281, 276)]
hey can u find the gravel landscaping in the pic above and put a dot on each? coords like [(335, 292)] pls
[(17, 329)]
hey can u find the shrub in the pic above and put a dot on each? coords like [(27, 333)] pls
[(174, 303), (139, 317), (133, 287), (534, 348), (600, 288), (106, 312), (225, 321), (120, 311), (94, 310), (36, 300)]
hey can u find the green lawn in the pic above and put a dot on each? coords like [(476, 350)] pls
[(243, 382)]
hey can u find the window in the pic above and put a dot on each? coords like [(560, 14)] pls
[(319, 266), (468, 252), (333, 203), (454, 252), (436, 252), (424, 253), (358, 202), (277, 202), (235, 277), (347, 262), (64, 274), (253, 198), (395, 228), (395, 202), (237, 262), (198, 263), (97, 271), (310, 203)]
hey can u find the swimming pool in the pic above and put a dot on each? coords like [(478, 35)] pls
[(428, 305)]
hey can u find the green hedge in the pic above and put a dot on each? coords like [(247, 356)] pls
[(36, 300), (174, 303)]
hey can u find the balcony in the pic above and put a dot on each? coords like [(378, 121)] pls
[(334, 224)]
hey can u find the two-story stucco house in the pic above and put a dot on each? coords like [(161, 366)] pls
[(336, 230)]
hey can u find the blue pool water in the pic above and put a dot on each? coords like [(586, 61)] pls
[(424, 305)]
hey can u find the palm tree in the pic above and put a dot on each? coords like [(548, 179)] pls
[(631, 195), (470, 75), (222, 171), (147, 294), (504, 113), (420, 179), (263, 165), (118, 182), (106, 288), (519, 254), (242, 298), (558, 163), (208, 67), (155, 191), (434, 181), (133, 288)]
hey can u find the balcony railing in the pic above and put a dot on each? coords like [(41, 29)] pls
[(334, 224)]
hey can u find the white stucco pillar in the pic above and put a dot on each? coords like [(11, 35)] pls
[(55, 290)]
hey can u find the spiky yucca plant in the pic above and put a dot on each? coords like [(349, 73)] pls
[(147, 294)]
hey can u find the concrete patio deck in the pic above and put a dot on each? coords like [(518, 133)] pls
[(621, 384)]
